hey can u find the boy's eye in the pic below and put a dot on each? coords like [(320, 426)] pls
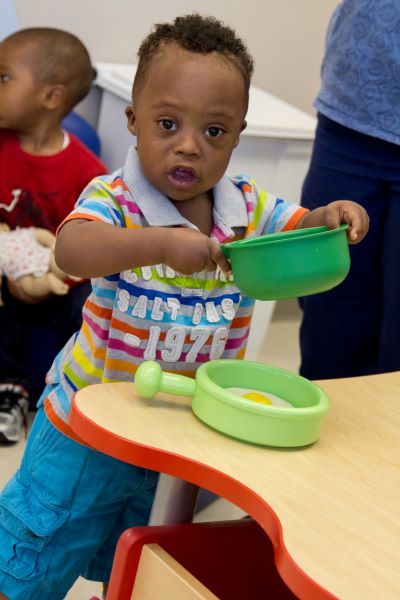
[(167, 124), (214, 132), (4, 78)]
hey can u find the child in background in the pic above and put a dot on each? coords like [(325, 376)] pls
[(149, 236), (44, 73)]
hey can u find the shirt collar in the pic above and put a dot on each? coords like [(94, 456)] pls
[(229, 209)]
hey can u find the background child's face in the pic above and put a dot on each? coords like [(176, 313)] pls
[(20, 98), (187, 118)]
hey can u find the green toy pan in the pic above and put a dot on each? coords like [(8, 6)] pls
[(298, 424), (291, 263), (278, 236)]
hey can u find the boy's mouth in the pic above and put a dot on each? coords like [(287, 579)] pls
[(183, 177)]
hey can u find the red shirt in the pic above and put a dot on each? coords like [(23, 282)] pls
[(41, 191)]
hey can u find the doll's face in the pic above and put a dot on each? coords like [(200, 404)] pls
[(187, 117)]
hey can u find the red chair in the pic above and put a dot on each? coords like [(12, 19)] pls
[(233, 559)]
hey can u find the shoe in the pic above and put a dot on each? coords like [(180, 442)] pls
[(14, 405)]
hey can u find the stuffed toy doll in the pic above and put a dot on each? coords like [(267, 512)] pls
[(27, 256)]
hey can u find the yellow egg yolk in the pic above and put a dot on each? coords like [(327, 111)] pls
[(257, 397)]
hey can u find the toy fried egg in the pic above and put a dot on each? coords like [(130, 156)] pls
[(259, 396)]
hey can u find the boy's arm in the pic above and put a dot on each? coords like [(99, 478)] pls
[(334, 214), (87, 248)]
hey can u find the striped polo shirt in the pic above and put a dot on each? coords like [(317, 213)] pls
[(153, 312)]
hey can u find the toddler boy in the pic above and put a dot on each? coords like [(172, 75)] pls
[(149, 237)]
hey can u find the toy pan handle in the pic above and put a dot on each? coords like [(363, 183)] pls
[(150, 379)]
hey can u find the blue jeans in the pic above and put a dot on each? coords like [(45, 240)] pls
[(62, 513), (354, 329)]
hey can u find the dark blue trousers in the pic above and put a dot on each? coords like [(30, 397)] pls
[(354, 329), (31, 335)]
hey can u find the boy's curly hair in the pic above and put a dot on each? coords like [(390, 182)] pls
[(58, 56), (199, 34)]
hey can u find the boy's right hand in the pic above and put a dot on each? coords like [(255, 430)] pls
[(189, 251)]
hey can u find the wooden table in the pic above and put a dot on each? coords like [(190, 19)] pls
[(331, 509)]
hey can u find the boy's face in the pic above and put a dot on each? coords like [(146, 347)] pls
[(187, 118), (20, 96)]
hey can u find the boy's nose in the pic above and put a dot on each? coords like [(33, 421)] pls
[(187, 144)]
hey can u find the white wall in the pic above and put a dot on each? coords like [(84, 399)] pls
[(8, 18), (286, 37)]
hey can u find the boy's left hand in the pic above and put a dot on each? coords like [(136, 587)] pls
[(335, 214), (345, 211)]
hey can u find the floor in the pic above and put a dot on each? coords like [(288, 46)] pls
[(280, 349)]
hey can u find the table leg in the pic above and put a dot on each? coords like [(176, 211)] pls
[(262, 316), (174, 502)]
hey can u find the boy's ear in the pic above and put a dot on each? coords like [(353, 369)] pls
[(131, 119), (54, 96), (243, 127)]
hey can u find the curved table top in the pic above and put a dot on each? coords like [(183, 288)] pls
[(331, 509)]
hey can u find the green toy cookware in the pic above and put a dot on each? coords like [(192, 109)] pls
[(297, 424), (291, 263)]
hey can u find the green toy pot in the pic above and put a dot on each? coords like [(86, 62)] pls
[(290, 264), (297, 425)]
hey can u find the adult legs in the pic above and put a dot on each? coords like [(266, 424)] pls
[(340, 330), (389, 341)]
